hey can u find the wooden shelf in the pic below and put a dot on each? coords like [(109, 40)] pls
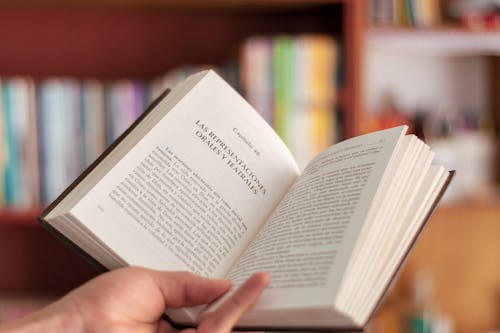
[(11, 217), (459, 249), (434, 41), (33, 261), (171, 4), (118, 43)]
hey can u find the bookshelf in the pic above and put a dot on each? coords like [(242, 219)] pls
[(458, 60), (140, 40)]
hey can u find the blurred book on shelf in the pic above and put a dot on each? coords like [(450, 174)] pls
[(93, 117), (469, 14), (292, 82), (53, 128), (59, 134), (124, 101), (405, 13), (19, 148)]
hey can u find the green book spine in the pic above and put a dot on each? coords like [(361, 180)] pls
[(283, 85)]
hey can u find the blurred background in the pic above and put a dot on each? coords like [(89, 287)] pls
[(74, 74)]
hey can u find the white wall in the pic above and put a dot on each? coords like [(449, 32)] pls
[(426, 81), (438, 84)]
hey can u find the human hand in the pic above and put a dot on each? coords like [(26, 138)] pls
[(133, 300)]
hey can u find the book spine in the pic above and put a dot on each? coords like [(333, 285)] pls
[(32, 146), (93, 120), (71, 122), (54, 116), (11, 174), (21, 180), (324, 92), (3, 147), (52, 129), (314, 96), (256, 75), (125, 100), (283, 85), (302, 88)]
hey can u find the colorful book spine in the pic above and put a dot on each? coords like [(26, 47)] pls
[(325, 65), (21, 182), (403, 13), (256, 75), (291, 81), (124, 102), (12, 170), (60, 135), (93, 120), (54, 128), (283, 87), (3, 147)]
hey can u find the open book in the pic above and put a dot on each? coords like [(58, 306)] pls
[(202, 183)]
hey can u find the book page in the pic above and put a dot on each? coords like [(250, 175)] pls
[(389, 217), (308, 240), (194, 191), (420, 210), (385, 219)]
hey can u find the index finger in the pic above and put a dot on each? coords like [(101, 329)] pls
[(227, 315)]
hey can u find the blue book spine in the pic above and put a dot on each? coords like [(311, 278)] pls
[(12, 170)]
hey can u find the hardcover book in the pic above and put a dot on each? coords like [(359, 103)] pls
[(200, 182)]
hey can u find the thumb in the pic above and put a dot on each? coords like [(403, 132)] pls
[(181, 289)]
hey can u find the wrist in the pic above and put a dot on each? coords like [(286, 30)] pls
[(53, 318)]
